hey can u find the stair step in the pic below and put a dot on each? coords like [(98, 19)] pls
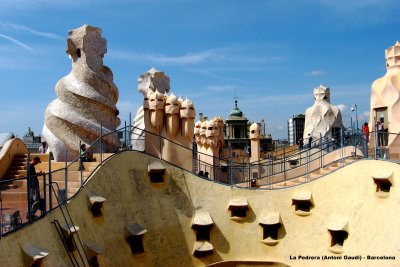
[(14, 195), (16, 167), (73, 176), (11, 176)]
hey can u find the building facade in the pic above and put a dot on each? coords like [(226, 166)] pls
[(237, 128), (295, 128)]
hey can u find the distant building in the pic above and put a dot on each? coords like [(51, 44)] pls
[(31, 141), (237, 129), (295, 128), (236, 132)]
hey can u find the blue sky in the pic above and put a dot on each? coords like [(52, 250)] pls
[(272, 53)]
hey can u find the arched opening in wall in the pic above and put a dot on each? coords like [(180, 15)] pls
[(92, 251), (337, 240), (202, 224), (271, 224), (339, 231), (202, 232), (136, 244), (78, 52), (383, 182), (68, 233), (238, 208), (33, 256), (384, 186), (95, 205), (135, 238), (303, 203), (156, 172)]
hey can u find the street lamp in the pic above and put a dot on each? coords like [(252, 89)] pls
[(354, 107)]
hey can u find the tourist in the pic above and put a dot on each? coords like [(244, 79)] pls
[(34, 186), (365, 130), (300, 142), (334, 143), (43, 148), (309, 140), (84, 157), (194, 147), (380, 129), (206, 175), (219, 146)]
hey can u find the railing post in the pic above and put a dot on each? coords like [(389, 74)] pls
[(50, 182), (307, 163), (272, 165), (80, 162), (230, 171), (320, 149), (44, 208), (130, 129), (125, 140), (284, 165), (159, 138), (341, 143), (64, 201), (375, 138), (29, 188), (101, 143), (1, 219), (358, 141)]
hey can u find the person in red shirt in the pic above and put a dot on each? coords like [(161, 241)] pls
[(365, 130)]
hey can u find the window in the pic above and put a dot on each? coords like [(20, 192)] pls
[(202, 224), (303, 203), (156, 172), (135, 238), (96, 202), (383, 184), (272, 228), (238, 208), (338, 230)]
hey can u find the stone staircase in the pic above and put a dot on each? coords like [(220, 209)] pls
[(313, 175), (17, 168), (14, 195)]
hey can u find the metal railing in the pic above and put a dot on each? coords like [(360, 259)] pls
[(227, 170)]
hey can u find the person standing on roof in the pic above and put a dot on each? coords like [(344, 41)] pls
[(34, 191), (43, 148)]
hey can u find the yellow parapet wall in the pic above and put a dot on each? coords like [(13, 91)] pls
[(11, 148), (352, 219)]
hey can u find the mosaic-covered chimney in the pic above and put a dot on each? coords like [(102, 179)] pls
[(86, 100)]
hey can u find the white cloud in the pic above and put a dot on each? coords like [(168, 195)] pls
[(190, 58), (280, 99), (212, 55), (125, 107), (316, 73), (15, 41), (16, 27), (221, 88), (342, 107), (364, 116)]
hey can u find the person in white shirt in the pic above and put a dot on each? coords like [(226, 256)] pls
[(43, 148)]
